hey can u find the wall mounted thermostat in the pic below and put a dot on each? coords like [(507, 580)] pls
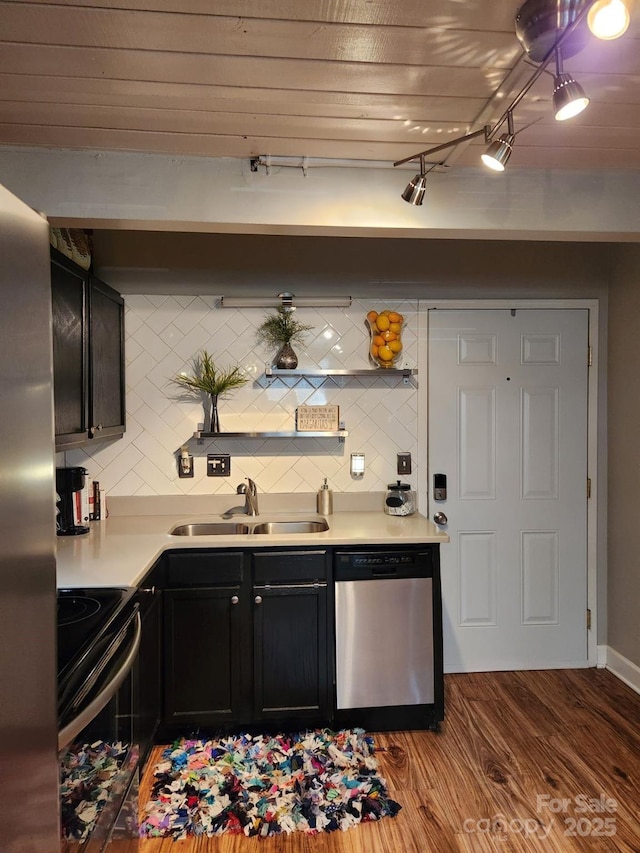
[(439, 487)]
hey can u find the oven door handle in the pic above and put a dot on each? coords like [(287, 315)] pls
[(73, 728)]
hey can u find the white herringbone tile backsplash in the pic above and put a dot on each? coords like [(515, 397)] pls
[(165, 333)]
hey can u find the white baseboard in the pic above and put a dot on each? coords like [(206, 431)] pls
[(621, 667)]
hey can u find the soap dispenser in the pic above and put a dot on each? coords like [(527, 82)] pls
[(325, 499)]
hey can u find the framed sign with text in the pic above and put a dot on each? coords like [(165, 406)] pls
[(317, 418)]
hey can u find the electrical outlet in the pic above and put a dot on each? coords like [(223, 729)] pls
[(404, 463), (185, 465), (218, 465)]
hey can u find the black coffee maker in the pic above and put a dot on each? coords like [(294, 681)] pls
[(69, 481)]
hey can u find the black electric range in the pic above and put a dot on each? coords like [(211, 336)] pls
[(93, 630)]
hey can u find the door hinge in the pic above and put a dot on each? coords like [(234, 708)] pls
[(590, 356), (588, 487), (588, 620)]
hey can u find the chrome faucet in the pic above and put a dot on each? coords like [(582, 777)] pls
[(251, 498), (250, 493)]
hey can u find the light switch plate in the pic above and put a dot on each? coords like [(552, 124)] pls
[(404, 463), (218, 465)]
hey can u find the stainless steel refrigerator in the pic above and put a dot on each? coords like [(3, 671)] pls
[(28, 722)]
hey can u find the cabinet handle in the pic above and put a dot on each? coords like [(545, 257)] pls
[(95, 429), (234, 599), (258, 599)]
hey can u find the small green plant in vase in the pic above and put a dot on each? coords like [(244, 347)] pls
[(279, 331), (210, 383)]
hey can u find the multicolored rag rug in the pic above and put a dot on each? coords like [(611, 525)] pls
[(315, 781)]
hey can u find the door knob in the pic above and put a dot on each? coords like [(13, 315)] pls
[(440, 518), (234, 599), (258, 599)]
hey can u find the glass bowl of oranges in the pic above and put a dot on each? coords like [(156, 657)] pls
[(385, 328)]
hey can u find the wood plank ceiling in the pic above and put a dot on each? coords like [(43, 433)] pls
[(348, 79)]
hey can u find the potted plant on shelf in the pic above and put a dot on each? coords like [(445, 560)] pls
[(209, 383), (280, 330)]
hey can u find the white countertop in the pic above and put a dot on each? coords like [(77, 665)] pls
[(120, 551)]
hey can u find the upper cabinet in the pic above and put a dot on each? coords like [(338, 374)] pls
[(88, 356)]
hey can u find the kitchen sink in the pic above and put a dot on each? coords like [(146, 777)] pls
[(232, 528), (210, 528), (291, 527)]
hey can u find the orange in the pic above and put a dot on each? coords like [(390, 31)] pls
[(378, 340), (386, 313), (395, 317), (372, 316), (396, 327), (374, 350), (383, 322), (395, 346), (389, 335), (385, 354)]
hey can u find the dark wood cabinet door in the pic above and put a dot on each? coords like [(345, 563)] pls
[(290, 654), (88, 356), (203, 677), (106, 352), (68, 304)]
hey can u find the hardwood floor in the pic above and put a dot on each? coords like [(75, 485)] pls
[(525, 761)]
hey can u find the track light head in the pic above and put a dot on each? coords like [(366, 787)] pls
[(569, 98), (497, 154), (609, 19), (414, 192)]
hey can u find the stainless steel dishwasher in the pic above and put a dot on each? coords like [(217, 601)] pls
[(388, 638)]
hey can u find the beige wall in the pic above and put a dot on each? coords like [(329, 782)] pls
[(624, 454)]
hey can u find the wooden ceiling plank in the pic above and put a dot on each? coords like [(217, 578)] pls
[(498, 17), (91, 118), (230, 124), (243, 72), (130, 30), (185, 96)]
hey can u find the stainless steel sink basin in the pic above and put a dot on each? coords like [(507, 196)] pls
[(291, 527), (233, 528), (210, 528)]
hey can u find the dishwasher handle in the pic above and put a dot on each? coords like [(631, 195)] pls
[(384, 572)]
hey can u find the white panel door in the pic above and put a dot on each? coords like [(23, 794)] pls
[(508, 426)]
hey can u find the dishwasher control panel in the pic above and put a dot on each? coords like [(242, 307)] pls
[(383, 560), (365, 565)]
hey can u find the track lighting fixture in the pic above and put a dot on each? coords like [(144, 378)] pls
[(497, 154), (609, 19), (414, 192), (569, 98)]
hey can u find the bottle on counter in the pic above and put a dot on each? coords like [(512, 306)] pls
[(325, 499)]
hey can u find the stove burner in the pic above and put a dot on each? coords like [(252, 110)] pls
[(71, 610)]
